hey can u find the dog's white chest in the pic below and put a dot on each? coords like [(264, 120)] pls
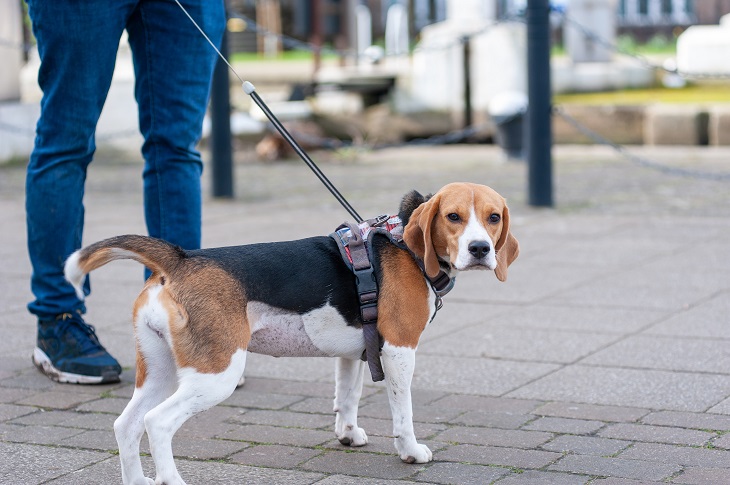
[(319, 333)]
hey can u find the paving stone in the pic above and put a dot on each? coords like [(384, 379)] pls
[(723, 407), (56, 399), (492, 420), (629, 387), (254, 433), (591, 411), (491, 455), (113, 405), (459, 473), (722, 442), (665, 352), (494, 437), (92, 440), (376, 444), (586, 445), (285, 418), (457, 374), (565, 425), (682, 455), (11, 395), (41, 435), (260, 400), (704, 320), (384, 427), (30, 464), (362, 464), (212, 423), (623, 481), (703, 476), (500, 342), (205, 448), (688, 420), (533, 477), (345, 480), (428, 413), (615, 467), (656, 434), (11, 411), (318, 405), (274, 456), (224, 474), (463, 403)]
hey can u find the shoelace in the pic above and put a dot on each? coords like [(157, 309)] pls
[(84, 333)]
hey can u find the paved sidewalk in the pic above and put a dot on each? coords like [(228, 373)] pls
[(603, 359)]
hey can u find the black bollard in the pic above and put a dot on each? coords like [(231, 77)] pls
[(539, 130), (220, 116)]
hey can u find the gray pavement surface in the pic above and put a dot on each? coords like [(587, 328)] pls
[(603, 359)]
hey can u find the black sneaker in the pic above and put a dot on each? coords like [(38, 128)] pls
[(69, 351)]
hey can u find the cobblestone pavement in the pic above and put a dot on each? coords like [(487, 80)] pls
[(603, 359)]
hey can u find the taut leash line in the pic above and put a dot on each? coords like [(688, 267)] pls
[(250, 90)]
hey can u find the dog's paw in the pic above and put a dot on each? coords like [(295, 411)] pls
[(353, 436), (419, 454)]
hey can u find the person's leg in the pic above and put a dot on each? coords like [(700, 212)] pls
[(173, 67), (77, 43)]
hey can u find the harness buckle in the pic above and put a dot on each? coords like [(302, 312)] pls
[(367, 294)]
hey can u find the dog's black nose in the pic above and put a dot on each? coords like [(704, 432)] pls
[(479, 249)]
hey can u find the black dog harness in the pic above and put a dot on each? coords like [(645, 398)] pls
[(356, 248)]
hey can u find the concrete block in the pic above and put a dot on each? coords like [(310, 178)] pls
[(719, 125), (669, 124), (703, 49), (620, 124)]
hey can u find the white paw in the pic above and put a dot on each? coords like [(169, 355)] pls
[(417, 454), (353, 436)]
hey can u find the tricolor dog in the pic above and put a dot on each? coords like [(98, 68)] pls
[(201, 312)]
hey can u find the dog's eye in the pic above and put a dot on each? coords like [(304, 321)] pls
[(494, 218), (454, 217)]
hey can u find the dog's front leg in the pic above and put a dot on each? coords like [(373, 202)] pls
[(398, 365), (348, 378)]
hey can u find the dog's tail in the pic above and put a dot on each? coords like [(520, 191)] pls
[(158, 255)]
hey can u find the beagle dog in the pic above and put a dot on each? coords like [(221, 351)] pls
[(201, 311)]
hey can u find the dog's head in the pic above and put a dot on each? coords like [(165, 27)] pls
[(462, 227)]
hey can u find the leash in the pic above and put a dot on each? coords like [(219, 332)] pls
[(250, 90)]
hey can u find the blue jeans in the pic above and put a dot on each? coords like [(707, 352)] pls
[(77, 43)]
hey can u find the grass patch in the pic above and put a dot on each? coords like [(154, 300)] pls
[(286, 56), (692, 94)]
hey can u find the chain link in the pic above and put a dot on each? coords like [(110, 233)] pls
[(636, 159)]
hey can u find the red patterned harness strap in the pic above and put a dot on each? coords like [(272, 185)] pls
[(355, 243)]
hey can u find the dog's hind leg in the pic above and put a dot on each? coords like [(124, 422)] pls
[(348, 378), (129, 426), (196, 392), (398, 365), (156, 380)]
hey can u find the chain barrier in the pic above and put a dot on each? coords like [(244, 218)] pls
[(329, 143), (636, 159)]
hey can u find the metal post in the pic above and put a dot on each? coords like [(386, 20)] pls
[(220, 117), (539, 132), (466, 41)]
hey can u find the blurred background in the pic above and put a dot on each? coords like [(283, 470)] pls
[(374, 73)]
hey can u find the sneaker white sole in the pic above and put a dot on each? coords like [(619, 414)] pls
[(44, 364)]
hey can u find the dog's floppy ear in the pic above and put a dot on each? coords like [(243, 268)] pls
[(507, 248), (417, 234)]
